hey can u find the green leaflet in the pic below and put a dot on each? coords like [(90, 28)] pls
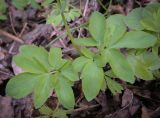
[(136, 39), (151, 61), (65, 93), (42, 90), (97, 26), (92, 79), (114, 86), (115, 29), (133, 19), (55, 58), (79, 63), (120, 65), (140, 70), (87, 53), (21, 85), (100, 60), (70, 74), (85, 42), (2, 7), (35, 62), (20, 4)]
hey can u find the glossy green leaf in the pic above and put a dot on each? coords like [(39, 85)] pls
[(97, 26), (133, 19), (79, 63), (21, 85), (85, 42), (64, 93), (120, 65), (92, 79), (55, 58), (113, 34), (136, 39), (42, 90), (140, 70), (114, 86)]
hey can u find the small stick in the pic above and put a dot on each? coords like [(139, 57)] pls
[(11, 36), (82, 108)]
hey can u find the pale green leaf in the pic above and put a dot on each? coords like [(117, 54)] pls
[(87, 53), (136, 39), (100, 60), (70, 74), (133, 19), (115, 29), (97, 26), (21, 85), (120, 65), (29, 64), (92, 80), (140, 70), (39, 54), (79, 63), (55, 58), (85, 42), (42, 90), (114, 86), (64, 93)]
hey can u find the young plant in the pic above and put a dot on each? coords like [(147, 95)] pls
[(47, 71), (70, 13)]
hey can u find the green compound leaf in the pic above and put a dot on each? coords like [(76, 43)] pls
[(133, 19), (115, 29), (114, 86), (140, 70), (92, 80), (97, 26), (55, 58), (21, 85), (64, 92), (79, 63), (42, 90), (85, 42), (136, 39), (120, 65)]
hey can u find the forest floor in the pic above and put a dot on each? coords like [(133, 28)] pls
[(140, 100)]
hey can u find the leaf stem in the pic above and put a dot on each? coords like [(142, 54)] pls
[(68, 29)]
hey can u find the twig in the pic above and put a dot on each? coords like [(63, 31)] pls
[(11, 21), (23, 29), (82, 108), (11, 36)]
